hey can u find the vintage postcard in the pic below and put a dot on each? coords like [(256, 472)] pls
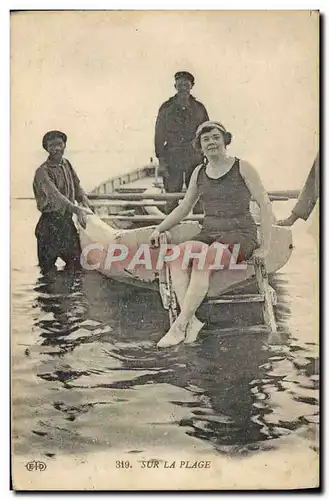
[(164, 250)]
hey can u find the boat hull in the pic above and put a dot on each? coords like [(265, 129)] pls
[(98, 235)]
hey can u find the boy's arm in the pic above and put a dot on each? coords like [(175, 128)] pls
[(48, 196)]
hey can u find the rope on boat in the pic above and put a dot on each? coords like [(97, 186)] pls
[(166, 289)]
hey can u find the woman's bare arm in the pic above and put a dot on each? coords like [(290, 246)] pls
[(259, 194)]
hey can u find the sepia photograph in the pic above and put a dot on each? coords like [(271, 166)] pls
[(164, 250)]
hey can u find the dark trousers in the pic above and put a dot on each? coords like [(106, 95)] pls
[(175, 180), (57, 237)]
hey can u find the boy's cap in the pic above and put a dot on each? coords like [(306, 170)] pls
[(52, 134)]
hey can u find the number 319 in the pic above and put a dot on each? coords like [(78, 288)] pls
[(120, 464)]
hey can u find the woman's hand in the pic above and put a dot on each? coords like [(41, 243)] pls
[(261, 253), (155, 239)]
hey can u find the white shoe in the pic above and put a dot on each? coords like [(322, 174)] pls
[(174, 336), (193, 329)]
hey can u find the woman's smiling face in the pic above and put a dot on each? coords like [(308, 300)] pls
[(212, 142)]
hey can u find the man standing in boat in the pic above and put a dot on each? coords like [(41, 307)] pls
[(56, 188), (177, 121)]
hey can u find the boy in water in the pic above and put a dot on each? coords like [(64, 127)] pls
[(56, 188)]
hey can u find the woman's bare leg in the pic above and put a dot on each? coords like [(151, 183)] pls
[(181, 273), (180, 281), (191, 287), (197, 291), (199, 286)]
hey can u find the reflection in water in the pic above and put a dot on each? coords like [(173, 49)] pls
[(61, 299), (103, 382)]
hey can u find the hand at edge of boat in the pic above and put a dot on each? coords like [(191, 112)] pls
[(154, 239), (81, 213), (288, 222), (260, 253)]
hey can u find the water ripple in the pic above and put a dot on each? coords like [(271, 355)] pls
[(87, 374)]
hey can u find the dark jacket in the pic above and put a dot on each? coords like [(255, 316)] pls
[(176, 126)]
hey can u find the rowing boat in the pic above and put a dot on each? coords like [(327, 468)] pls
[(127, 209), (138, 198)]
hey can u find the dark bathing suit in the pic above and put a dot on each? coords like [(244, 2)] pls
[(226, 203)]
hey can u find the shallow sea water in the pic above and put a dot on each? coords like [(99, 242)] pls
[(87, 376)]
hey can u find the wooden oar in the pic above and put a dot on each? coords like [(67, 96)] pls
[(273, 195)]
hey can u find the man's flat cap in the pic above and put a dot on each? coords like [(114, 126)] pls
[(184, 74)]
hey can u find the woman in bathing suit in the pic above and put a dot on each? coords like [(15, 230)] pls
[(225, 185)]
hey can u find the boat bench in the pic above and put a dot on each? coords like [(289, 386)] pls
[(265, 295)]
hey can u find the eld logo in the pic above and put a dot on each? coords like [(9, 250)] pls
[(35, 465)]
